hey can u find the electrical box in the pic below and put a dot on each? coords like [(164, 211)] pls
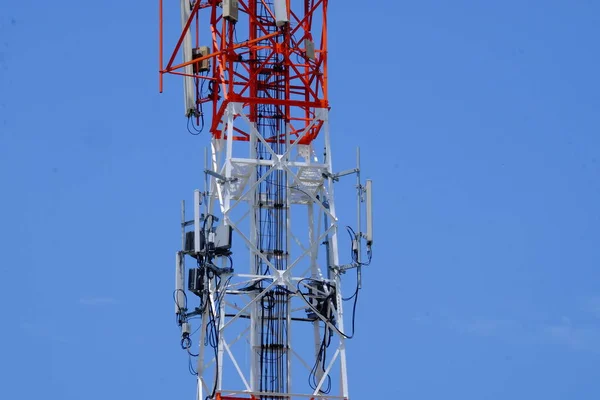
[(230, 10), (195, 281), (281, 14), (222, 238), (185, 329), (190, 243), (309, 47), (204, 65)]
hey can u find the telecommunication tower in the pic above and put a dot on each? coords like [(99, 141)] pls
[(272, 325)]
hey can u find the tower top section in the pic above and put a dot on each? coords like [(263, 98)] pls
[(271, 53)]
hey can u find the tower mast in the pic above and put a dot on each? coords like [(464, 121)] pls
[(272, 325)]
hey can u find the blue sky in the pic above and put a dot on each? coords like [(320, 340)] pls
[(478, 122)]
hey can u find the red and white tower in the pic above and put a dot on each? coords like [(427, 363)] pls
[(271, 326)]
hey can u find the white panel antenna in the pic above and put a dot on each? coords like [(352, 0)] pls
[(188, 82), (197, 202), (281, 14), (369, 206), (309, 46), (179, 283)]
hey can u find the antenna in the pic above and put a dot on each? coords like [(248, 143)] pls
[(369, 206), (281, 14), (188, 81), (197, 233), (179, 294)]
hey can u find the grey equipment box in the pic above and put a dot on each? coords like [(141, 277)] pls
[(230, 10)]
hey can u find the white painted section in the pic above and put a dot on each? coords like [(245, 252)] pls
[(238, 204)]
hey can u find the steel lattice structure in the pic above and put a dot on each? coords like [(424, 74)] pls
[(277, 317)]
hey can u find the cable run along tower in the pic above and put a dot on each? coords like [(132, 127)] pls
[(258, 293)]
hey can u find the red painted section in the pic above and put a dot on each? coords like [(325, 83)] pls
[(236, 75)]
